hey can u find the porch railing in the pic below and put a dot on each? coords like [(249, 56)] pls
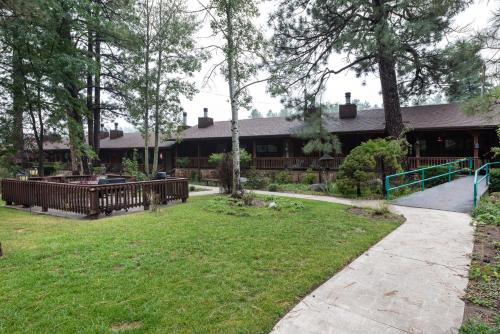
[(293, 163), (93, 200)]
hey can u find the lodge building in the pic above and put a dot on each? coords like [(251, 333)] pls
[(436, 134)]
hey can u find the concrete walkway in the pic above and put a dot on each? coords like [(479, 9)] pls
[(456, 195), (412, 281)]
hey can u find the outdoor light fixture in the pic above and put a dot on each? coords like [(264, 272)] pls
[(33, 172), (439, 140), (22, 177)]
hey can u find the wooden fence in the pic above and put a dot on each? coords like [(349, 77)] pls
[(93, 200)]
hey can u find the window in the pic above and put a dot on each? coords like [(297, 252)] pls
[(268, 148)]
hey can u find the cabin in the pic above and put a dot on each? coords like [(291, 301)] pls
[(436, 134)]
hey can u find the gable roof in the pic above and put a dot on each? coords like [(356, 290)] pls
[(128, 140), (431, 117), (442, 116)]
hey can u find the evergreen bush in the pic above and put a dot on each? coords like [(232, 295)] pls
[(364, 167)]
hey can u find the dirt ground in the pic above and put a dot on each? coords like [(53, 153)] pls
[(482, 300)]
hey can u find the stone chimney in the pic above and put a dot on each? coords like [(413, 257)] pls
[(103, 133), (113, 134), (205, 121), (348, 110)]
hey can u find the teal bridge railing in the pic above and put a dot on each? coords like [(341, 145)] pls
[(486, 177), (465, 165)]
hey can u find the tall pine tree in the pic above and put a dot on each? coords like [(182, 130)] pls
[(395, 39)]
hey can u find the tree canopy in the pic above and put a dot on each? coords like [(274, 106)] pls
[(396, 39)]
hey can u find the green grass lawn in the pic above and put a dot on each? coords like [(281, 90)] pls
[(190, 268)]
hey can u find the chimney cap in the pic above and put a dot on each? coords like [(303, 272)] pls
[(348, 98)]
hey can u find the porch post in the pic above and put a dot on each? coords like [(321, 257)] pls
[(417, 152), (198, 155), (254, 153), (287, 148), (475, 137)]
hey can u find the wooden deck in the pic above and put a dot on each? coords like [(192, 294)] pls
[(92, 199)]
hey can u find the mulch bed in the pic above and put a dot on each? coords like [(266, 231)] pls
[(482, 299)]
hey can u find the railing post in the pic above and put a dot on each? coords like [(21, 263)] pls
[(94, 203), (387, 188), (470, 166), (475, 193), (449, 173), (423, 179), (146, 193), (487, 168)]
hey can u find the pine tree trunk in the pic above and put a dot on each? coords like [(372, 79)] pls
[(90, 111), (392, 109), (236, 187), (97, 97), (387, 72), (74, 118)]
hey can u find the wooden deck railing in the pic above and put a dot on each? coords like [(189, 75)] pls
[(93, 200), (295, 163)]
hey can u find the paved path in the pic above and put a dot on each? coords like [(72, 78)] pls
[(412, 281), (456, 195)]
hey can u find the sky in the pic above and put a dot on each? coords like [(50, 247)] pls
[(214, 94)]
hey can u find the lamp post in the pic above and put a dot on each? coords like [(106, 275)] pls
[(323, 163)]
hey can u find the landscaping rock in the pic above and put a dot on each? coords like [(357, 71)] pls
[(317, 187), (272, 205)]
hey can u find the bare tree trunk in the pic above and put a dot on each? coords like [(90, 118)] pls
[(235, 131), (146, 97), (157, 100)]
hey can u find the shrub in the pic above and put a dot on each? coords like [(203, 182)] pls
[(182, 162), (309, 176), (367, 163), (283, 177), (256, 180), (194, 176), (131, 167), (224, 172), (435, 171), (272, 187), (494, 180), (488, 211), (215, 158), (192, 188)]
